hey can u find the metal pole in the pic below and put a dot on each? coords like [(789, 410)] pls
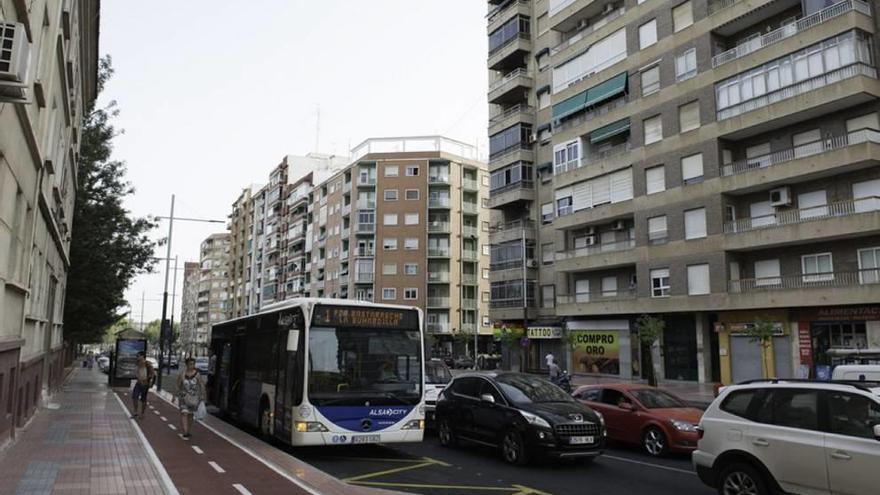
[(165, 296), (525, 294), (173, 299)]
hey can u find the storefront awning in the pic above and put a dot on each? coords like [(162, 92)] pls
[(610, 130), (607, 90), (569, 106)]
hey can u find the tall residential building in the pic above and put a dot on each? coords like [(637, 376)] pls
[(707, 162), (213, 298), (48, 72), (189, 306), (241, 252)]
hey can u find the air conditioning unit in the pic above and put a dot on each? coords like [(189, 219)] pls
[(781, 196), (590, 230), (582, 24), (591, 240), (14, 59), (608, 8), (618, 225), (531, 263), (532, 138)]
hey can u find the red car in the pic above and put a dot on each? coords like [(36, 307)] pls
[(639, 414)]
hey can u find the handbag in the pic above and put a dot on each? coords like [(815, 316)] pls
[(201, 411)]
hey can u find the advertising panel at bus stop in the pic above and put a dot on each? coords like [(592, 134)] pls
[(128, 344)]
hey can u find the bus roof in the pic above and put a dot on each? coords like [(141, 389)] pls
[(310, 301)]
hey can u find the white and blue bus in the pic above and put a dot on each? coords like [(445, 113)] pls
[(323, 372)]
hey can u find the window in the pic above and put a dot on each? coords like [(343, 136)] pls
[(411, 219), (410, 243), (657, 232), (390, 194), (647, 34), (508, 139), (660, 282), (389, 269), (389, 294), (389, 219), (412, 170), (391, 170), (411, 194), (853, 415), (486, 250), (566, 156), (651, 80), (767, 273), (698, 280), (737, 403), (689, 116), (517, 173), (682, 16), (686, 65), (410, 293), (484, 226), (486, 273), (546, 213), (547, 253), (792, 408), (544, 99), (602, 54), (869, 265), (692, 169), (411, 269), (609, 286), (389, 243), (817, 267), (548, 296), (655, 179), (486, 321), (653, 129), (695, 223)]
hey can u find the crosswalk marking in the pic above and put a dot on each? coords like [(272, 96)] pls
[(172, 427), (198, 450), (216, 467), (163, 418), (241, 489)]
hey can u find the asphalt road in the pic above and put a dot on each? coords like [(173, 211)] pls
[(428, 468)]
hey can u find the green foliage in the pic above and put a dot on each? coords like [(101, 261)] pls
[(761, 332), (650, 330), (509, 336), (109, 246)]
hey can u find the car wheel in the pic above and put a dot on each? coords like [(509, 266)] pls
[(654, 442), (742, 479), (445, 433), (513, 448)]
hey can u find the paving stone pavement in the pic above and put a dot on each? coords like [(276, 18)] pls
[(86, 446)]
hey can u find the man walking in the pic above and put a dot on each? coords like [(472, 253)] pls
[(549, 358), (146, 375)]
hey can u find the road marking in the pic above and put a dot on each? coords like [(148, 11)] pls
[(170, 489), (241, 489), (163, 418), (642, 463), (172, 427), (428, 462), (198, 450), (155, 412), (216, 467), (525, 490), (515, 490)]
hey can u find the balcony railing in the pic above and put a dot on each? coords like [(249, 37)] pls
[(346, 209), (513, 302), (791, 29), (438, 302), (519, 36), (365, 253), (471, 208), (469, 255), (805, 86), (346, 187), (438, 252), (514, 110), (366, 181), (438, 277), (512, 225), (558, 6), (438, 179), (366, 205), (592, 157), (787, 155), (469, 184), (805, 281), (438, 202), (366, 227), (469, 328), (503, 154), (719, 5), (599, 296), (497, 11), (520, 72), (438, 327), (522, 184), (363, 278), (587, 30), (344, 233), (438, 227), (795, 216), (597, 249), (469, 303), (469, 231), (469, 278)]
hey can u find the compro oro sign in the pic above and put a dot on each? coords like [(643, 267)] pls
[(596, 351), (544, 332)]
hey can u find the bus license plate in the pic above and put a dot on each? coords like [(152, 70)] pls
[(580, 440), (365, 439)]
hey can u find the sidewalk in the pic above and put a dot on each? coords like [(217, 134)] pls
[(80, 443)]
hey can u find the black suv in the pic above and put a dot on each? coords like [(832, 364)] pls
[(524, 415)]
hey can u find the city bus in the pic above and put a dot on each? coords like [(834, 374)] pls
[(315, 371)]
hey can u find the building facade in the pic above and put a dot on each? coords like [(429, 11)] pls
[(189, 306), (48, 72), (213, 299), (706, 162)]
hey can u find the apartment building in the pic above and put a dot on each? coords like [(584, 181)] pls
[(189, 306), (213, 298), (708, 162), (48, 71)]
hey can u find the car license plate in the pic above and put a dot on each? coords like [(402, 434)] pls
[(365, 439), (580, 440)]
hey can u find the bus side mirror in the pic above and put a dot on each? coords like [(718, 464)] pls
[(292, 340)]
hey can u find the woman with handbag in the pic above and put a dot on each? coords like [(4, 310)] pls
[(190, 395)]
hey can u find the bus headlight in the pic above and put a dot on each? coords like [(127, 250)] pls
[(414, 424), (310, 427)]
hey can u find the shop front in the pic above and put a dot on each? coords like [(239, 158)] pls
[(835, 335), (602, 347), (543, 340), (743, 358)]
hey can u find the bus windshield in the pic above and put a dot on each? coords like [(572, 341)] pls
[(351, 366)]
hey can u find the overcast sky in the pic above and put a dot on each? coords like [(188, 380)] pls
[(214, 93)]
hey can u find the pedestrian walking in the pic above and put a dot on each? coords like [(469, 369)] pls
[(145, 375), (549, 358), (190, 395)]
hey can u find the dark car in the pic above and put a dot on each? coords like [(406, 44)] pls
[(437, 375), (524, 415), (463, 362)]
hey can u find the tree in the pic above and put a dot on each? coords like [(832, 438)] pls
[(650, 330), (109, 246), (762, 332)]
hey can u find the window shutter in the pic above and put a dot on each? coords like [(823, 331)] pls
[(648, 34), (868, 121), (655, 178), (812, 204), (692, 167), (767, 272), (682, 16), (621, 186), (653, 129), (698, 279), (657, 227), (547, 210), (601, 190), (689, 116), (565, 192), (695, 223), (582, 196)]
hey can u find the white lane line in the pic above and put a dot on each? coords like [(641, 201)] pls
[(241, 489), (155, 412), (642, 463), (163, 418), (198, 450), (172, 426), (216, 467), (167, 484)]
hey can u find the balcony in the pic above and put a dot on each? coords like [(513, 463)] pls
[(469, 184), (504, 12), (513, 230), (565, 15), (469, 255), (438, 179), (470, 208), (366, 205), (469, 328), (521, 152), (512, 88), (363, 278), (320, 263), (468, 303), (581, 118), (828, 280), (366, 181), (365, 253), (438, 327), (791, 29), (521, 113), (346, 187), (346, 209), (511, 52), (599, 23), (441, 202), (438, 252), (366, 228), (438, 227), (512, 193), (509, 303), (469, 231), (345, 233), (438, 302), (574, 259), (343, 279), (570, 304), (438, 277), (469, 278)]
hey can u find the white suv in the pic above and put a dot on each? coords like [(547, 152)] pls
[(791, 436)]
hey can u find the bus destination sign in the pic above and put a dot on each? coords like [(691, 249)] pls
[(353, 316)]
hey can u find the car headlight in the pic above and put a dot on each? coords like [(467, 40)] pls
[(535, 419), (310, 427), (683, 425), (414, 424), (601, 418)]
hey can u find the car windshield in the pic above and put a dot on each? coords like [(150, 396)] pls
[(523, 389), (437, 372), (657, 399)]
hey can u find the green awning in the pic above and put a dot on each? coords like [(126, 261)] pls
[(606, 90), (609, 130), (569, 106)]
